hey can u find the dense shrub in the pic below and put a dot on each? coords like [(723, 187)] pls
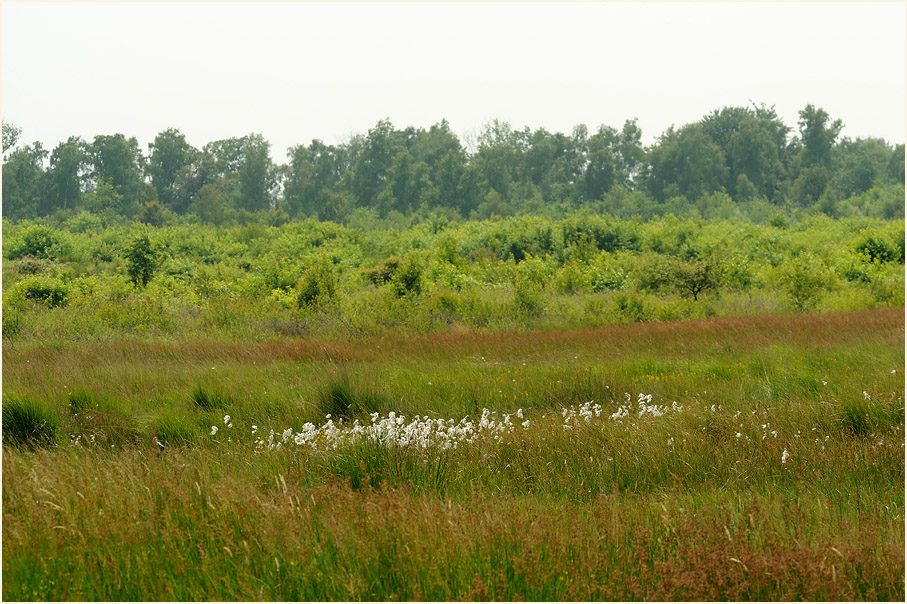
[(141, 261), (803, 284), (317, 285), (38, 241), (384, 272), (407, 279), (49, 291)]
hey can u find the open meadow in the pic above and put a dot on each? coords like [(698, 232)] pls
[(756, 458)]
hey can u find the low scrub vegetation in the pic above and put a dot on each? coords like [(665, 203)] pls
[(319, 278)]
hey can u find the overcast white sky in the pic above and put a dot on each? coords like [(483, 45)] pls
[(295, 72)]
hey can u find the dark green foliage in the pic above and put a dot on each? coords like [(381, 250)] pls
[(744, 153), (49, 291), (693, 277), (385, 271), (208, 400), (152, 214), (142, 261), (407, 280), (317, 285), (30, 266), (874, 248), (27, 423), (340, 399)]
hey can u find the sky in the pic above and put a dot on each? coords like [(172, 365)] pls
[(295, 72)]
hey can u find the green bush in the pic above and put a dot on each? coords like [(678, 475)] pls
[(141, 261), (803, 284), (38, 241), (49, 291), (408, 279), (384, 272), (317, 285), (527, 296), (874, 248), (28, 423)]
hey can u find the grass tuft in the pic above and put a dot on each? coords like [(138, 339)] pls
[(208, 400), (28, 423), (340, 399)]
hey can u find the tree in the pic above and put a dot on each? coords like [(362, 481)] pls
[(170, 166), (406, 182), (10, 137), (500, 157), (695, 276), (817, 136), (374, 161), (754, 142), (631, 153), (118, 161), (312, 171), (896, 165), (141, 261), (103, 199), (257, 177), (860, 165), (24, 182), (66, 175), (689, 160)]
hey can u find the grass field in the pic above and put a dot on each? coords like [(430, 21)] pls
[(755, 458)]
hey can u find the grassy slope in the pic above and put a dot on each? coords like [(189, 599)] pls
[(607, 510)]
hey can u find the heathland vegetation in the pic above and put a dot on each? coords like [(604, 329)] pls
[(552, 367)]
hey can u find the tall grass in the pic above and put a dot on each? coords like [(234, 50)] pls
[(780, 478)]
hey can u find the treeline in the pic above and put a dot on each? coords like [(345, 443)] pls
[(734, 162)]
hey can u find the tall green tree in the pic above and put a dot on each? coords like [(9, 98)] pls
[(170, 166), (257, 176), (754, 142), (603, 163), (860, 165), (686, 162), (499, 158), (312, 171), (374, 161), (817, 134), (66, 175), (10, 137), (24, 182), (118, 160), (406, 184)]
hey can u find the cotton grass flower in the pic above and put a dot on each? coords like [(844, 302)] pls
[(213, 430), (784, 456)]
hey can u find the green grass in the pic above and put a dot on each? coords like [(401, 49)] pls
[(697, 504)]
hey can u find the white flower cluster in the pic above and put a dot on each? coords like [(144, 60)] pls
[(644, 407), (394, 430), (587, 411)]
